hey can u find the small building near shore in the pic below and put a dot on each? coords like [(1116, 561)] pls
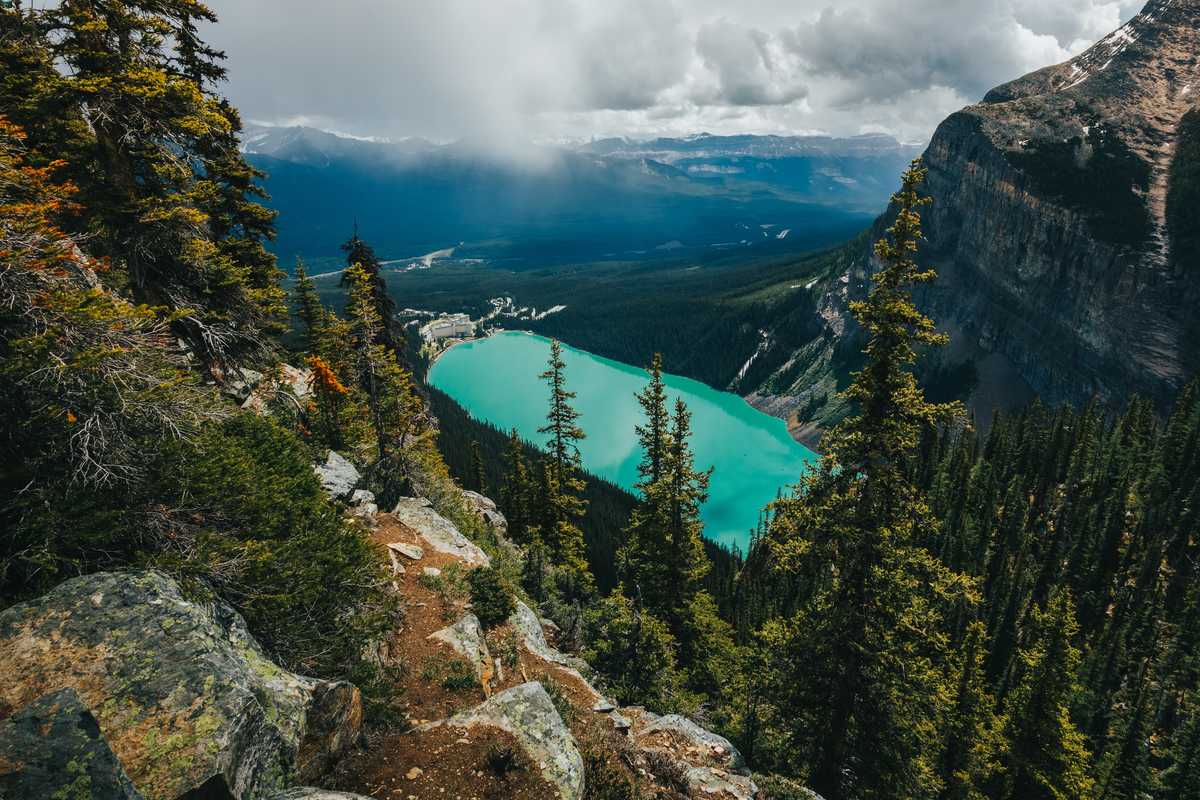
[(454, 326)]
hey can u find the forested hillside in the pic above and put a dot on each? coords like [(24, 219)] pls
[(234, 564)]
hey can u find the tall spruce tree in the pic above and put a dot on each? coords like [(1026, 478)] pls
[(653, 434), (308, 308), (168, 196), (478, 475), (560, 504), (360, 254), (516, 494), (403, 438), (1045, 757), (861, 705), (561, 428), (686, 489), (1181, 779), (969, 737)]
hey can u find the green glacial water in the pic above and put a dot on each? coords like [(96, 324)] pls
[(496, 379)]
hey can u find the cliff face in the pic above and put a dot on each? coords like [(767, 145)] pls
[(1049, 226), (1062, 229)]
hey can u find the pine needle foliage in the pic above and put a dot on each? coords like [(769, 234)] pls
[(863, 665)]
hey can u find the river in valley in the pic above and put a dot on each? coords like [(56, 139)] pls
[(753, 456)]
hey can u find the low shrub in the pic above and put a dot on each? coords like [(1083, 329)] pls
[(492, 598)]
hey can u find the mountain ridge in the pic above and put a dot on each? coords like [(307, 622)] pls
[(1057, 274)]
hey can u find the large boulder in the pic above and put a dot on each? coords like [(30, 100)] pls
[(185, 696), (487, 510), (438, 532), (708, 746), (337, 475), (532, 637), (466, 638), (53, 748), (708, 764), (528, 713)]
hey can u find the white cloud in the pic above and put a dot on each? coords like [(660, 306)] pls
[(503, 72)]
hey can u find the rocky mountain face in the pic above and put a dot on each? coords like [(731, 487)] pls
[(1063, 229)]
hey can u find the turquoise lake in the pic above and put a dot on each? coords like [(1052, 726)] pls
[(754, 457)]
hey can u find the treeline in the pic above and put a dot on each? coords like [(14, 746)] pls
[(940, 615)]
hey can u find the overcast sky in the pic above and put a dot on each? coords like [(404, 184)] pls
[(514, 70)]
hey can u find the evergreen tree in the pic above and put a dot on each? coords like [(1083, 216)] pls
[(634, 651), (1125, 769), (1045, 757), (559, 503), (871, 621), (516, 494), (562, 429), (360, 254), (686, 490), (167, 195), (478, 476), (555, 515), (653, 435), (535, 569), (1181, 780), (404, 447), (309, 310), (663, 559), (969, 739)]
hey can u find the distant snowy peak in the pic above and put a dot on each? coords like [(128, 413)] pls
[(314, 145)]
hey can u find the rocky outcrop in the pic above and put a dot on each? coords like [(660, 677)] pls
[(291, 385), (486, 509), (1049, 227), (186, 698), (338, 476), (438, 532), (362, 502), (713, 748), (466, 639), (709, 764), (53, 748), (528, 628), (1059, 273), (527, 712)]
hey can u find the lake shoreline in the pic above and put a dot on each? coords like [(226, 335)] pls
[(497, 380), (807, 435)]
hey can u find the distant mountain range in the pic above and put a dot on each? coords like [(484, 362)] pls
[(611, 198)]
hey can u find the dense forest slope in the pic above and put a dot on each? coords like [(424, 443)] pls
[(1064, 233)]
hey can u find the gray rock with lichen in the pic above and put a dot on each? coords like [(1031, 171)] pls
[(337, 475), (466, 637), (485, 508), (716, 748), (528, 713), (438, 532), (706, 782), (187, 699), (53, 748), (529, 630)]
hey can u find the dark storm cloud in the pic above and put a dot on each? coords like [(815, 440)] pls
[(505, 71)]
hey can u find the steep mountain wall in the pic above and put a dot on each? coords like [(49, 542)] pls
[(1064, 249)]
